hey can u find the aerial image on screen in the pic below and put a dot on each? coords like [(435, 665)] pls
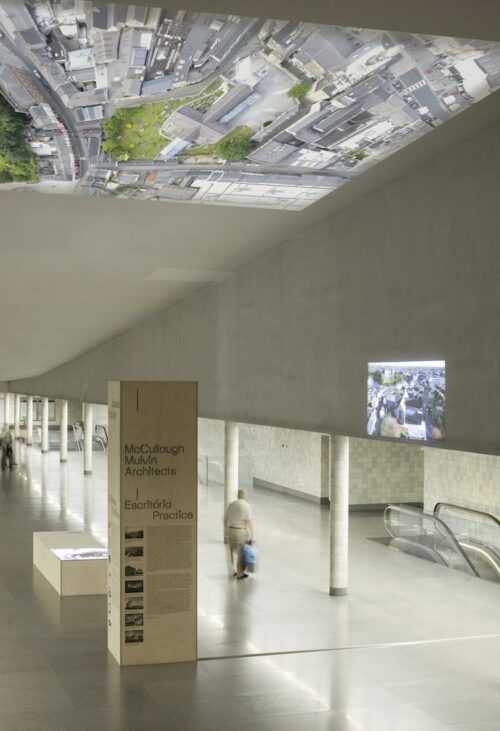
[(407, 400), (141, 102)]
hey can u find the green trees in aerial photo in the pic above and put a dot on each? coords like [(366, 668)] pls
[(299, 90), (134, 132), (17, 160), (234, 146)]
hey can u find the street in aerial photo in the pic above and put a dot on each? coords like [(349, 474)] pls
[(407, 400), (141, 102)]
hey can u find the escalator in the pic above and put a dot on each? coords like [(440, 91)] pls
[(426, 536), (477, 533), (459, 538)]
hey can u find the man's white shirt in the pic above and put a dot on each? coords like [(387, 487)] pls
[(238, 514)]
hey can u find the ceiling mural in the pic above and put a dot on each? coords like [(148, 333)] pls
[(140, 102)]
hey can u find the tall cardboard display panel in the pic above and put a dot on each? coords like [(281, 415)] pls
[(152, 514)]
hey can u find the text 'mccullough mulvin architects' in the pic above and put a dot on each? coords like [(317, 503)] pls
[(140, 102)]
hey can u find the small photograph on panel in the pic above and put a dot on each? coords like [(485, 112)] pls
[(134, 587), (136, 602), (134, 636), (134, 551), (134, 620), (134, 532), (133, 570)]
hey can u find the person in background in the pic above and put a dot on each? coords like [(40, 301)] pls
[(7, 447), (239, 528), (401, 407)]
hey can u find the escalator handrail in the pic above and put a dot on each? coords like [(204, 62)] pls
[(448, 533), (479, 544), (487, 551), (462, 509), (100, 441), (422, 548)]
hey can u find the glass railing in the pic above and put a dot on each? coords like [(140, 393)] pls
[(75, 439), (478, 534), (424, 535), (469, 523)]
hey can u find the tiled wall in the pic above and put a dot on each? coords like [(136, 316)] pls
[(211, 455), (211, 451), (287, 458), (211, 438), (284, 458), (385, 472), (298, 461), (462, 478)]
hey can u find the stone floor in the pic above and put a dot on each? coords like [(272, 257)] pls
[(413, 647)]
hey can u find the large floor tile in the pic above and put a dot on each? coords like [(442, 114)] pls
[(412, 647)]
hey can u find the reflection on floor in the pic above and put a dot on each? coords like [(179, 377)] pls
[(413, 647)]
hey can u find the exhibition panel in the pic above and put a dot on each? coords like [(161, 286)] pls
[(152, 518)]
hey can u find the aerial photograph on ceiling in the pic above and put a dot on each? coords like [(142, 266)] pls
[(129, 101)]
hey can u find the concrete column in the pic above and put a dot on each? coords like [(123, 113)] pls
[(8, 416), (29, 421), (5, 410), (63, 447), (17, 416), (88, 430), (45, 424), (339, 517), (63, 497), (231, 454)]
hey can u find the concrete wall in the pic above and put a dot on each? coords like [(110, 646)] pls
[(384, 472), (460, 478), (410, 272)]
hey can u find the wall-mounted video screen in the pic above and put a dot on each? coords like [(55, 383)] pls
[(407, 400)]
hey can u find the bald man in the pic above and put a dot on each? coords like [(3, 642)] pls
[(238, 524)]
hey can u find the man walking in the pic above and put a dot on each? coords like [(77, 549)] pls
[(239, 528), (7, 449)]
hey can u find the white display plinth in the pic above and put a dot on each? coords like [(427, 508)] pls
[(73, 562)]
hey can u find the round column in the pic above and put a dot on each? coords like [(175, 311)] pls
[(63, 445), (45, 425), (29, 421), (88, 427), (231, 454), (339, 517), (7, 417), (17, 416)]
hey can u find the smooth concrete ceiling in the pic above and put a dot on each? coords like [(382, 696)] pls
[(76, 271)]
